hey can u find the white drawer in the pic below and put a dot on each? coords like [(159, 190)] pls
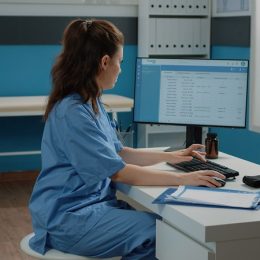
[(171, 244)]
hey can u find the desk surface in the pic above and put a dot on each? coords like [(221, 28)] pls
[(35, 105), (205, 224)]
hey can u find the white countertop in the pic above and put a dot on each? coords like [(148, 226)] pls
[(35, 105)]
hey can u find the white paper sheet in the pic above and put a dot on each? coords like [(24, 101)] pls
[(224, 197)]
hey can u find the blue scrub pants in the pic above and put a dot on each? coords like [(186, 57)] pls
[(121, 232)]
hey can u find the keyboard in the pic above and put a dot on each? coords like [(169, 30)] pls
[(197, 165)]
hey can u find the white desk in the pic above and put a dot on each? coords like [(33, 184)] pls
[(35, 106), (204, 233)]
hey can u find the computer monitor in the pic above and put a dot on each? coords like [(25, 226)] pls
[(191, 92)]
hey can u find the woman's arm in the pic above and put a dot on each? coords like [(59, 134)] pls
[(143, 157), (134, 174), (137, 175)]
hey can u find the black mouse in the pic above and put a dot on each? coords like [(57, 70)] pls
[(221, 181)]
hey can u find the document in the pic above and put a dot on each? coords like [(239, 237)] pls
[(225, 6), (189, 195)]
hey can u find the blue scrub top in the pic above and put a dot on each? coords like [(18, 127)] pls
[(74, 189)]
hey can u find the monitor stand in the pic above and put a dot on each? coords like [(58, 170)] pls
[(193, 136)]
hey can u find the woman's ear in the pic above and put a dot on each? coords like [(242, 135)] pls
[(104, 62)]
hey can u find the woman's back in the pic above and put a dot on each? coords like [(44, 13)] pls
[(73, 190)]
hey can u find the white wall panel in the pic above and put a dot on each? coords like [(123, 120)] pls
[(255, 68)]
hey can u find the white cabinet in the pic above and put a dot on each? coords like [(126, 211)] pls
[(171, 28), (161, 135), (174, 28), (172, 244)]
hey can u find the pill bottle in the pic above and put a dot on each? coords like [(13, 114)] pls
[(211, 144)]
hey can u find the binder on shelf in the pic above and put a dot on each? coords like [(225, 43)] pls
[(204, 7), (160, 31), (164, 35), (210, 197), (176, 5), (175, 39), (155, 7), (204, 36), (152, 36), (188, 37), (167, 7), (196, 31)]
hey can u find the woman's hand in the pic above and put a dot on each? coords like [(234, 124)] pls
[(187, 154), (204, 178)]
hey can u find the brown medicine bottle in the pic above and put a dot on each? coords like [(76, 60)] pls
[(211, 144)]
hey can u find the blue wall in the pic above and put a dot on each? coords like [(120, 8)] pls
[(25, 71), (239, 142)]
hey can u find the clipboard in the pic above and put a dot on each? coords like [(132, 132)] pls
[(209, 197)]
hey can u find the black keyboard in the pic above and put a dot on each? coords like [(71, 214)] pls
[(197, 165)]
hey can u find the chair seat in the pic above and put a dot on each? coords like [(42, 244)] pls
[(54, 254)]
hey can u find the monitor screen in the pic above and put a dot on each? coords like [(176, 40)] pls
[(191, 92)]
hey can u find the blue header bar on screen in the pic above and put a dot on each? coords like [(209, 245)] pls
[(204, 68)]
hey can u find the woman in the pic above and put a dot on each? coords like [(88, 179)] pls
[(73, 204)]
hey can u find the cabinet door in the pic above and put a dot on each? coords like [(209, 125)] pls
[(171, 244)]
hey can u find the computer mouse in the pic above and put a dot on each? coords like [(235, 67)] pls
[(221, 181)]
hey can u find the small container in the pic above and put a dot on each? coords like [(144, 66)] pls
[(211, 143)]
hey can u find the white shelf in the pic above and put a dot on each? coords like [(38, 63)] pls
[(174, 28), (73, 2), (179, 8), (163, 135), (35, 106), (97, 8), (154, 129), (171, 28)]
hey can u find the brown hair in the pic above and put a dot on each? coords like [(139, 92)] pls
[(85, 42)]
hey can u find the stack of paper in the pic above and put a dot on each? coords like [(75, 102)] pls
[(190, 195)]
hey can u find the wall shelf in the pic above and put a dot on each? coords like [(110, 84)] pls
[(171, 28)]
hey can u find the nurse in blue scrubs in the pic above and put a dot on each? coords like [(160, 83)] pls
[(73, 205)]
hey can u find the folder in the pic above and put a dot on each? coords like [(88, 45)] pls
[(152, 36), (204, 36), (214, 197), (164, 35)]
